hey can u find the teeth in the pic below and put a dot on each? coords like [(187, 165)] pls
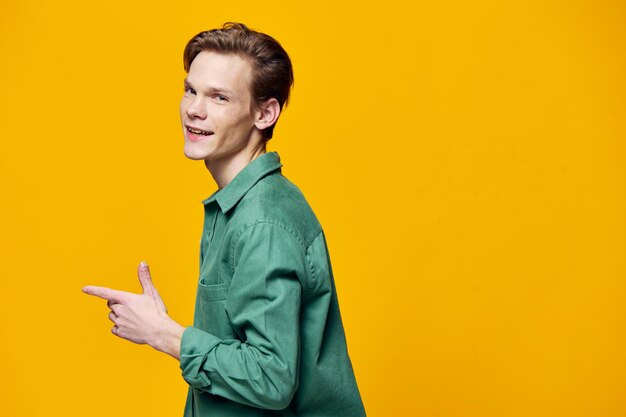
[(199, 132)]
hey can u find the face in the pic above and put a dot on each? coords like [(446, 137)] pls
[(217, 110)]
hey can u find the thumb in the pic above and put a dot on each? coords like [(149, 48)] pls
[(145, 279), (148, 287)]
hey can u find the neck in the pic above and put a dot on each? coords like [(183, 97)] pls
[(224, 170)]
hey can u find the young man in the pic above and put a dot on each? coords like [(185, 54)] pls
[(267, 338)]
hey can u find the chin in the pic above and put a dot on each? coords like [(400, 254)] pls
[(194, 154)]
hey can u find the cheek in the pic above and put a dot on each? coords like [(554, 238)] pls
[(185, 103), (241, 120)]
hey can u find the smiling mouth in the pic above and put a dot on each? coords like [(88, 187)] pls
[(199, 132)]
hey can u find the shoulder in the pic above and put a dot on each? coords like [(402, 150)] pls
[(276, 200)]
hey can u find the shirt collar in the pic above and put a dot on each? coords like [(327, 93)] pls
[(230, 195)]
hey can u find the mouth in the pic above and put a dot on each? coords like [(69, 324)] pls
[(199, 132), (196, 135)]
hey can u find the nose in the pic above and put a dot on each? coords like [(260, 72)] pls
[(196, 109)]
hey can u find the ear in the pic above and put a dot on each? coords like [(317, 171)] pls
[(267, 113)]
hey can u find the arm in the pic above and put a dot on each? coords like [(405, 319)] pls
[(260, 367), (141, 318)]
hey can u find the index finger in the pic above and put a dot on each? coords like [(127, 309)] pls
[(106, 293)]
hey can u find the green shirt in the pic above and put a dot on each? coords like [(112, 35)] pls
[(267, 338)]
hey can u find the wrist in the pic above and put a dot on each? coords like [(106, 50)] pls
[(168, 338)]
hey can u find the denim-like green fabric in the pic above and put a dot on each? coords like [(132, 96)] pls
[(267, 338)]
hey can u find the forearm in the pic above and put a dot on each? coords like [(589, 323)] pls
[(241, 372)]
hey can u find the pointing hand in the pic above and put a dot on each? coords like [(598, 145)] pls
[(141, 318)]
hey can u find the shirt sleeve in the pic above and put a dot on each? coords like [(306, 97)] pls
[(260, 367)]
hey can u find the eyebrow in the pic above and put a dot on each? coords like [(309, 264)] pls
[(211, 89)]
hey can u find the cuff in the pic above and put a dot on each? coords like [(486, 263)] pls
[(195, 346)]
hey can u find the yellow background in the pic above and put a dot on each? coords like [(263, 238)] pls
[(465, 158)]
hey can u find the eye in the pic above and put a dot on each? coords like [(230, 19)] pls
[(189, 90), (220, 97)]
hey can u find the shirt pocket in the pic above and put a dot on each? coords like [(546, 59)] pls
[(213, 292), (210, 315)]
